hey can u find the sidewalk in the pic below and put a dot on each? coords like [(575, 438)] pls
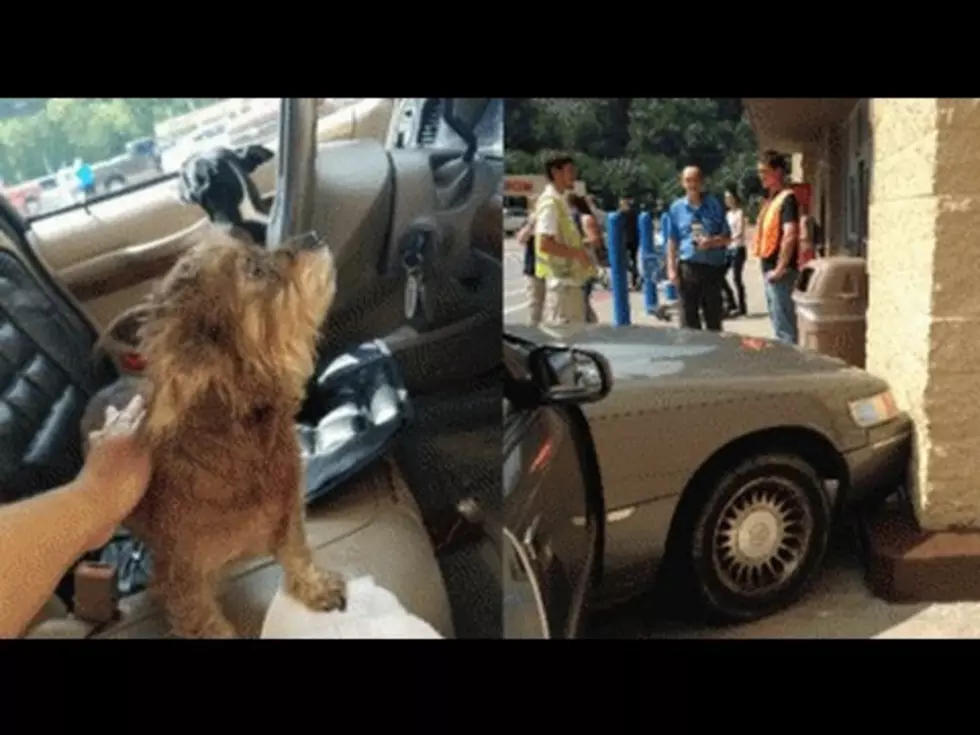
[(755, 324)]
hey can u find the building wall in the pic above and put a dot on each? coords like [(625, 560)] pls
[(898, 180), (924, 316)]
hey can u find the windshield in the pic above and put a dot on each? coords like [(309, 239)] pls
[(58, 153)]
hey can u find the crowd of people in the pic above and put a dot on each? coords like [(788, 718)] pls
[(704, 239)]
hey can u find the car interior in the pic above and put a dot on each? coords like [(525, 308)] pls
[(405, 227)]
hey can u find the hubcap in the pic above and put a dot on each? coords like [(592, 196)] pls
[(762, 537)]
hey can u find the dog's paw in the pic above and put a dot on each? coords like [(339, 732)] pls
[(321, 590), (213, 628)]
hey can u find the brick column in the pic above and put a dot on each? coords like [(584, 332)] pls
[(924, 314)]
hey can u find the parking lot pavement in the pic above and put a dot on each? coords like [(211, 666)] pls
[(838, 606)]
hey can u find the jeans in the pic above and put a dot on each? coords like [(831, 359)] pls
[(782, 310), (736, 264)]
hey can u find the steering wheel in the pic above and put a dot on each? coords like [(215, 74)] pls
[(292, 209)]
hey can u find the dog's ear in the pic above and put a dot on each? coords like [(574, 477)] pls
[(119, 328), (189, 362)]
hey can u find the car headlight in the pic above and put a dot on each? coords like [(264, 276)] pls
[(875, 410)]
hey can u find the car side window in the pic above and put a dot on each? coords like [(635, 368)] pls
[(60, 153)]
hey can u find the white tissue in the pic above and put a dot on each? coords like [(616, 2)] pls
[(372, 612)]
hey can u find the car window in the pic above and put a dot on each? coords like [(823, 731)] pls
[(515, 203), (57, 152)]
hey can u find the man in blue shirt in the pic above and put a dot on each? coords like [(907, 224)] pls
[(697, 241), (86, 178)]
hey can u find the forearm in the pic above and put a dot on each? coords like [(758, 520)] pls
[(550, 246), (786, 249), (672, 254), (718, 241), (40, 538)]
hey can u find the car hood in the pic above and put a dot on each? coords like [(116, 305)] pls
[(642, 353)]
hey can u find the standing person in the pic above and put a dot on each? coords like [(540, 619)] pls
[(588, 227), (86, 178), (697, 242), (736, 253), (660, 241), (535, 285), (776, 243), (561, 259), (808, 237), (631, 238)]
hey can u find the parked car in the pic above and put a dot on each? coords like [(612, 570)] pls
[(373, 211), (139, 162), (515, 214), (25, 197), (552, 532), (726, 460)]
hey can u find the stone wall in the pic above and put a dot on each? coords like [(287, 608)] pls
[(924, 315)]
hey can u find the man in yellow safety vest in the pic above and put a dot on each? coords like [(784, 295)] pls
[(561, 259)]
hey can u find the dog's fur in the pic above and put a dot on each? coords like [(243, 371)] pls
[(230, 341)]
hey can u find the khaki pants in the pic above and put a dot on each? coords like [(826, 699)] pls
[(566, 304), (535, 293)]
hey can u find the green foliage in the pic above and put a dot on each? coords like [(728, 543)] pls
[(636, 146), (54, 131)]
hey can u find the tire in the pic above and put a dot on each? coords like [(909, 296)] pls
[(731, 576), (115, 184)]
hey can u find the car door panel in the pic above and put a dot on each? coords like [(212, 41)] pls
[(109, 254), (549, 525)]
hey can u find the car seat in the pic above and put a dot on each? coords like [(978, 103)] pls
[(47, 369)]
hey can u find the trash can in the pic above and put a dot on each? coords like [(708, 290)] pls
[(831, 300)]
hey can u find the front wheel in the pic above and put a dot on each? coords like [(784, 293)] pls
[(756, 540)]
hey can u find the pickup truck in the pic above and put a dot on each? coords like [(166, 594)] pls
[(140, 162)]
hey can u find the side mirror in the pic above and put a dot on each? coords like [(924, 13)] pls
[(570, 375)]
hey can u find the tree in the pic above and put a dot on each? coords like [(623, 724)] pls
[(636, 146), (37, 137)]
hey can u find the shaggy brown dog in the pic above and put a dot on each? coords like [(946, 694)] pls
[(229, 338)]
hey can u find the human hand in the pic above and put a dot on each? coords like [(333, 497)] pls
[(673, 277), (703, 242), (117, 468), (775, 274)]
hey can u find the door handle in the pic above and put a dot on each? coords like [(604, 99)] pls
[(530, 540)]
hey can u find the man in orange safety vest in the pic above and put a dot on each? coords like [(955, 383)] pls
[(777, 237)]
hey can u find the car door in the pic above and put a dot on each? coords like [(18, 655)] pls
[(552, 530)]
